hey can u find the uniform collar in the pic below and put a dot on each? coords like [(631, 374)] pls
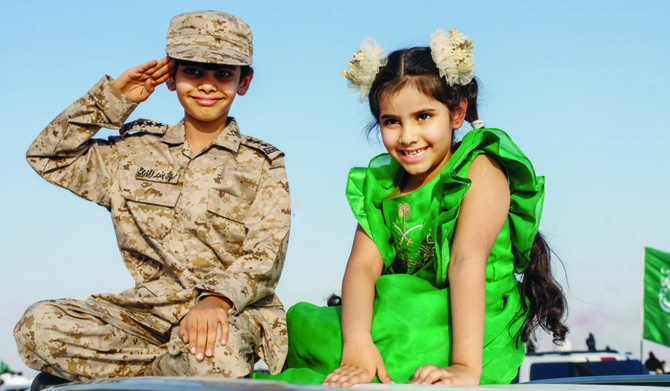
[(229, 137)]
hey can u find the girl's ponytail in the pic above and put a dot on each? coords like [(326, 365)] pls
[(470, 93), (541, 295)]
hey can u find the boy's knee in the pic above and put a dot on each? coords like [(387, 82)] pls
[(235, 359), (47, 324), (34, 325), (34, 334), (225, 362)]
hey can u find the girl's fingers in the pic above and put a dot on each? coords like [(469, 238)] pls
[(421, 373), (346, 377), (435, 375), (432, 375), (447, 381), (352, 378), (417, 373), (357, 377), (383, 375), (335, 376)]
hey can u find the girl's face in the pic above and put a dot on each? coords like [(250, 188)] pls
[(417, 130)]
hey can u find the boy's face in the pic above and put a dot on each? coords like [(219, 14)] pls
[(207, 91)]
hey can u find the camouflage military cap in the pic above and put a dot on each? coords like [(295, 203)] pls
[(211, 37)]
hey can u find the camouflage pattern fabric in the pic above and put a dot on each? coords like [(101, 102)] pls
[(188, 226), (210, 37)]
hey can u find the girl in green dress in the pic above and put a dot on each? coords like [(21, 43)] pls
[(448, 276)]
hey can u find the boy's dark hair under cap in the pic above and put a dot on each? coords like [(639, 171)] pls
[(211, 37)]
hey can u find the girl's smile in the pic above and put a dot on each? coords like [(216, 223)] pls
[(417, 132), (413, 156)]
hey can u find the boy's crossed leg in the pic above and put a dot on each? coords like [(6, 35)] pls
[(78, 340)]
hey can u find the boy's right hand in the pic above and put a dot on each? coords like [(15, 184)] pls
[(361, 361), (199, 327), (139, 82)]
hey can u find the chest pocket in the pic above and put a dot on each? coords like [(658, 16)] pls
[(151, 204), (227, 213)]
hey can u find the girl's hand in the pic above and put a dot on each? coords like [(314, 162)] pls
[(455, 375), (139, 82), (359, 365), (198, 328)]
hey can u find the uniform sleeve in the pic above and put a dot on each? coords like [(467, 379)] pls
[(254, 275), (65, 154)]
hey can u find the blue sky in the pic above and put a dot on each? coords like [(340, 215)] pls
[(581, 87)]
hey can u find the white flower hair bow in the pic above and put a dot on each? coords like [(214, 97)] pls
[(364, 66), (452, 53)]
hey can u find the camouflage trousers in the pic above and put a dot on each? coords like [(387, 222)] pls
[(79, 340)]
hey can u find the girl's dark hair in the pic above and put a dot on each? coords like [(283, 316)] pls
[(415, 66), (541, 295), (334, 301)]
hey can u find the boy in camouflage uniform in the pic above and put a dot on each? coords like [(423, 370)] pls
[(201, 214)]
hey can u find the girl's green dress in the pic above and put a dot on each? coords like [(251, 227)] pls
[(412, 321)]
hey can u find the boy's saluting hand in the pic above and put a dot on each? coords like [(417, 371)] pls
[(139, 82)]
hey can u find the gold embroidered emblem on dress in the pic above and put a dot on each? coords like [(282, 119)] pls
[(404, 213), (411, 255)]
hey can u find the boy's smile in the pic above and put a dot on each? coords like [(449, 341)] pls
[(206, 101), (207, 91)]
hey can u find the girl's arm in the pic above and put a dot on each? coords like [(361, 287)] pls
[(483, 212), (361, 360)]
